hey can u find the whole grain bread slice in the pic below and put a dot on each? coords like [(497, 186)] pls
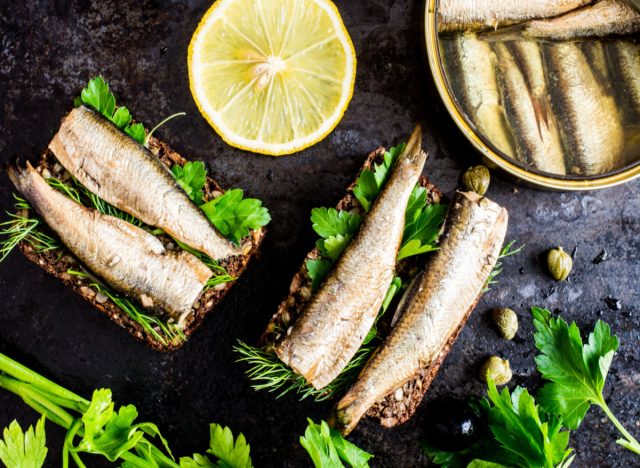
[(394, 409), (60, 261)]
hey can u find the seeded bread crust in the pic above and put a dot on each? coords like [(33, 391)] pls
[(59, 261), (390, 411)]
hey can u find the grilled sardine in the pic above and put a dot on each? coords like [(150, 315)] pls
[(604, 18), (119, 170), (335, 322), (434, 305), (126, 257), (478, 15), (591, 128), (525, 97)]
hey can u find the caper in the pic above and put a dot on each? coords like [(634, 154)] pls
[(506, 321), (559, 263), (476, 179), (496, 368)]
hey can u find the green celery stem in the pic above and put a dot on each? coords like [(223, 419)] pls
[(634, 445)]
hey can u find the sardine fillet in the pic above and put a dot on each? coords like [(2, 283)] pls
[(126, 257), (524, 93), (478, 15), (119, 170), (338, 317), (590, 122), (625, 62), (472, 64), (434, 306), (604, 18)]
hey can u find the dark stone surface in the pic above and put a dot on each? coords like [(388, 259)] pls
[(48, 50)]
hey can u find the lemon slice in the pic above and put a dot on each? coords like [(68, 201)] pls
[(272, 76)]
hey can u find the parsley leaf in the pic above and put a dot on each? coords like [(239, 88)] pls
[(423, 223), (519, 434), (335, 228), (191, 177), (370, 182), (97, 96), (318, 269), (23, 450), (528, 437), (229, 453), (136, 131), (106, 431), (235, 215), (394, 288), (121, 117), (328, 449), (328, 222), (577, 371)]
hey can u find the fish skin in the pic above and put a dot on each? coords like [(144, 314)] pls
[(336, 321), (604, 18), (433, 307), (126, 257), (525, 97), (124, 173), (479, 15), (624, 58), (592, 131), (472, 65), (596, 54)]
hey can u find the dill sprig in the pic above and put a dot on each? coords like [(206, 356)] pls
[(160, 329), (268, 373), (507, 251), (23, 228), (82, 195)]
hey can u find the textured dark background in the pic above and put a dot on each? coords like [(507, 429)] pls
[(48, 51)]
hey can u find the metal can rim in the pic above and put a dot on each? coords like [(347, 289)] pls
[(500, 161)]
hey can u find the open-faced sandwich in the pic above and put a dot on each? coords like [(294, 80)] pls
[(378, 303), (123, 220)]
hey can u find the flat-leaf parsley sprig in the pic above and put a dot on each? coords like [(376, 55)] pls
[(528, 432), (97, 427), (576, 371)]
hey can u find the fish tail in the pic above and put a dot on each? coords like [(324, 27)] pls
[(31, 185), (541, 112), (19, 176), (347, 413), (413, 151), (506, 34)]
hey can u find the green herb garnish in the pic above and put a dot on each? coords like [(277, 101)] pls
[(229, 452), (192, 178), (528, 433), (576, 371), (24, 449), (234, 216), (97, 427), (507, 251), (269, 373), (423, 223), (370, 182), (97, 96), (519, 434), (328, 449)]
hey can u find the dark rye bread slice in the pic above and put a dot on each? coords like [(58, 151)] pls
[(395, 408), (58, 262)]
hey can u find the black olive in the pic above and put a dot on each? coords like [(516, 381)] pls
[(452, 425)]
